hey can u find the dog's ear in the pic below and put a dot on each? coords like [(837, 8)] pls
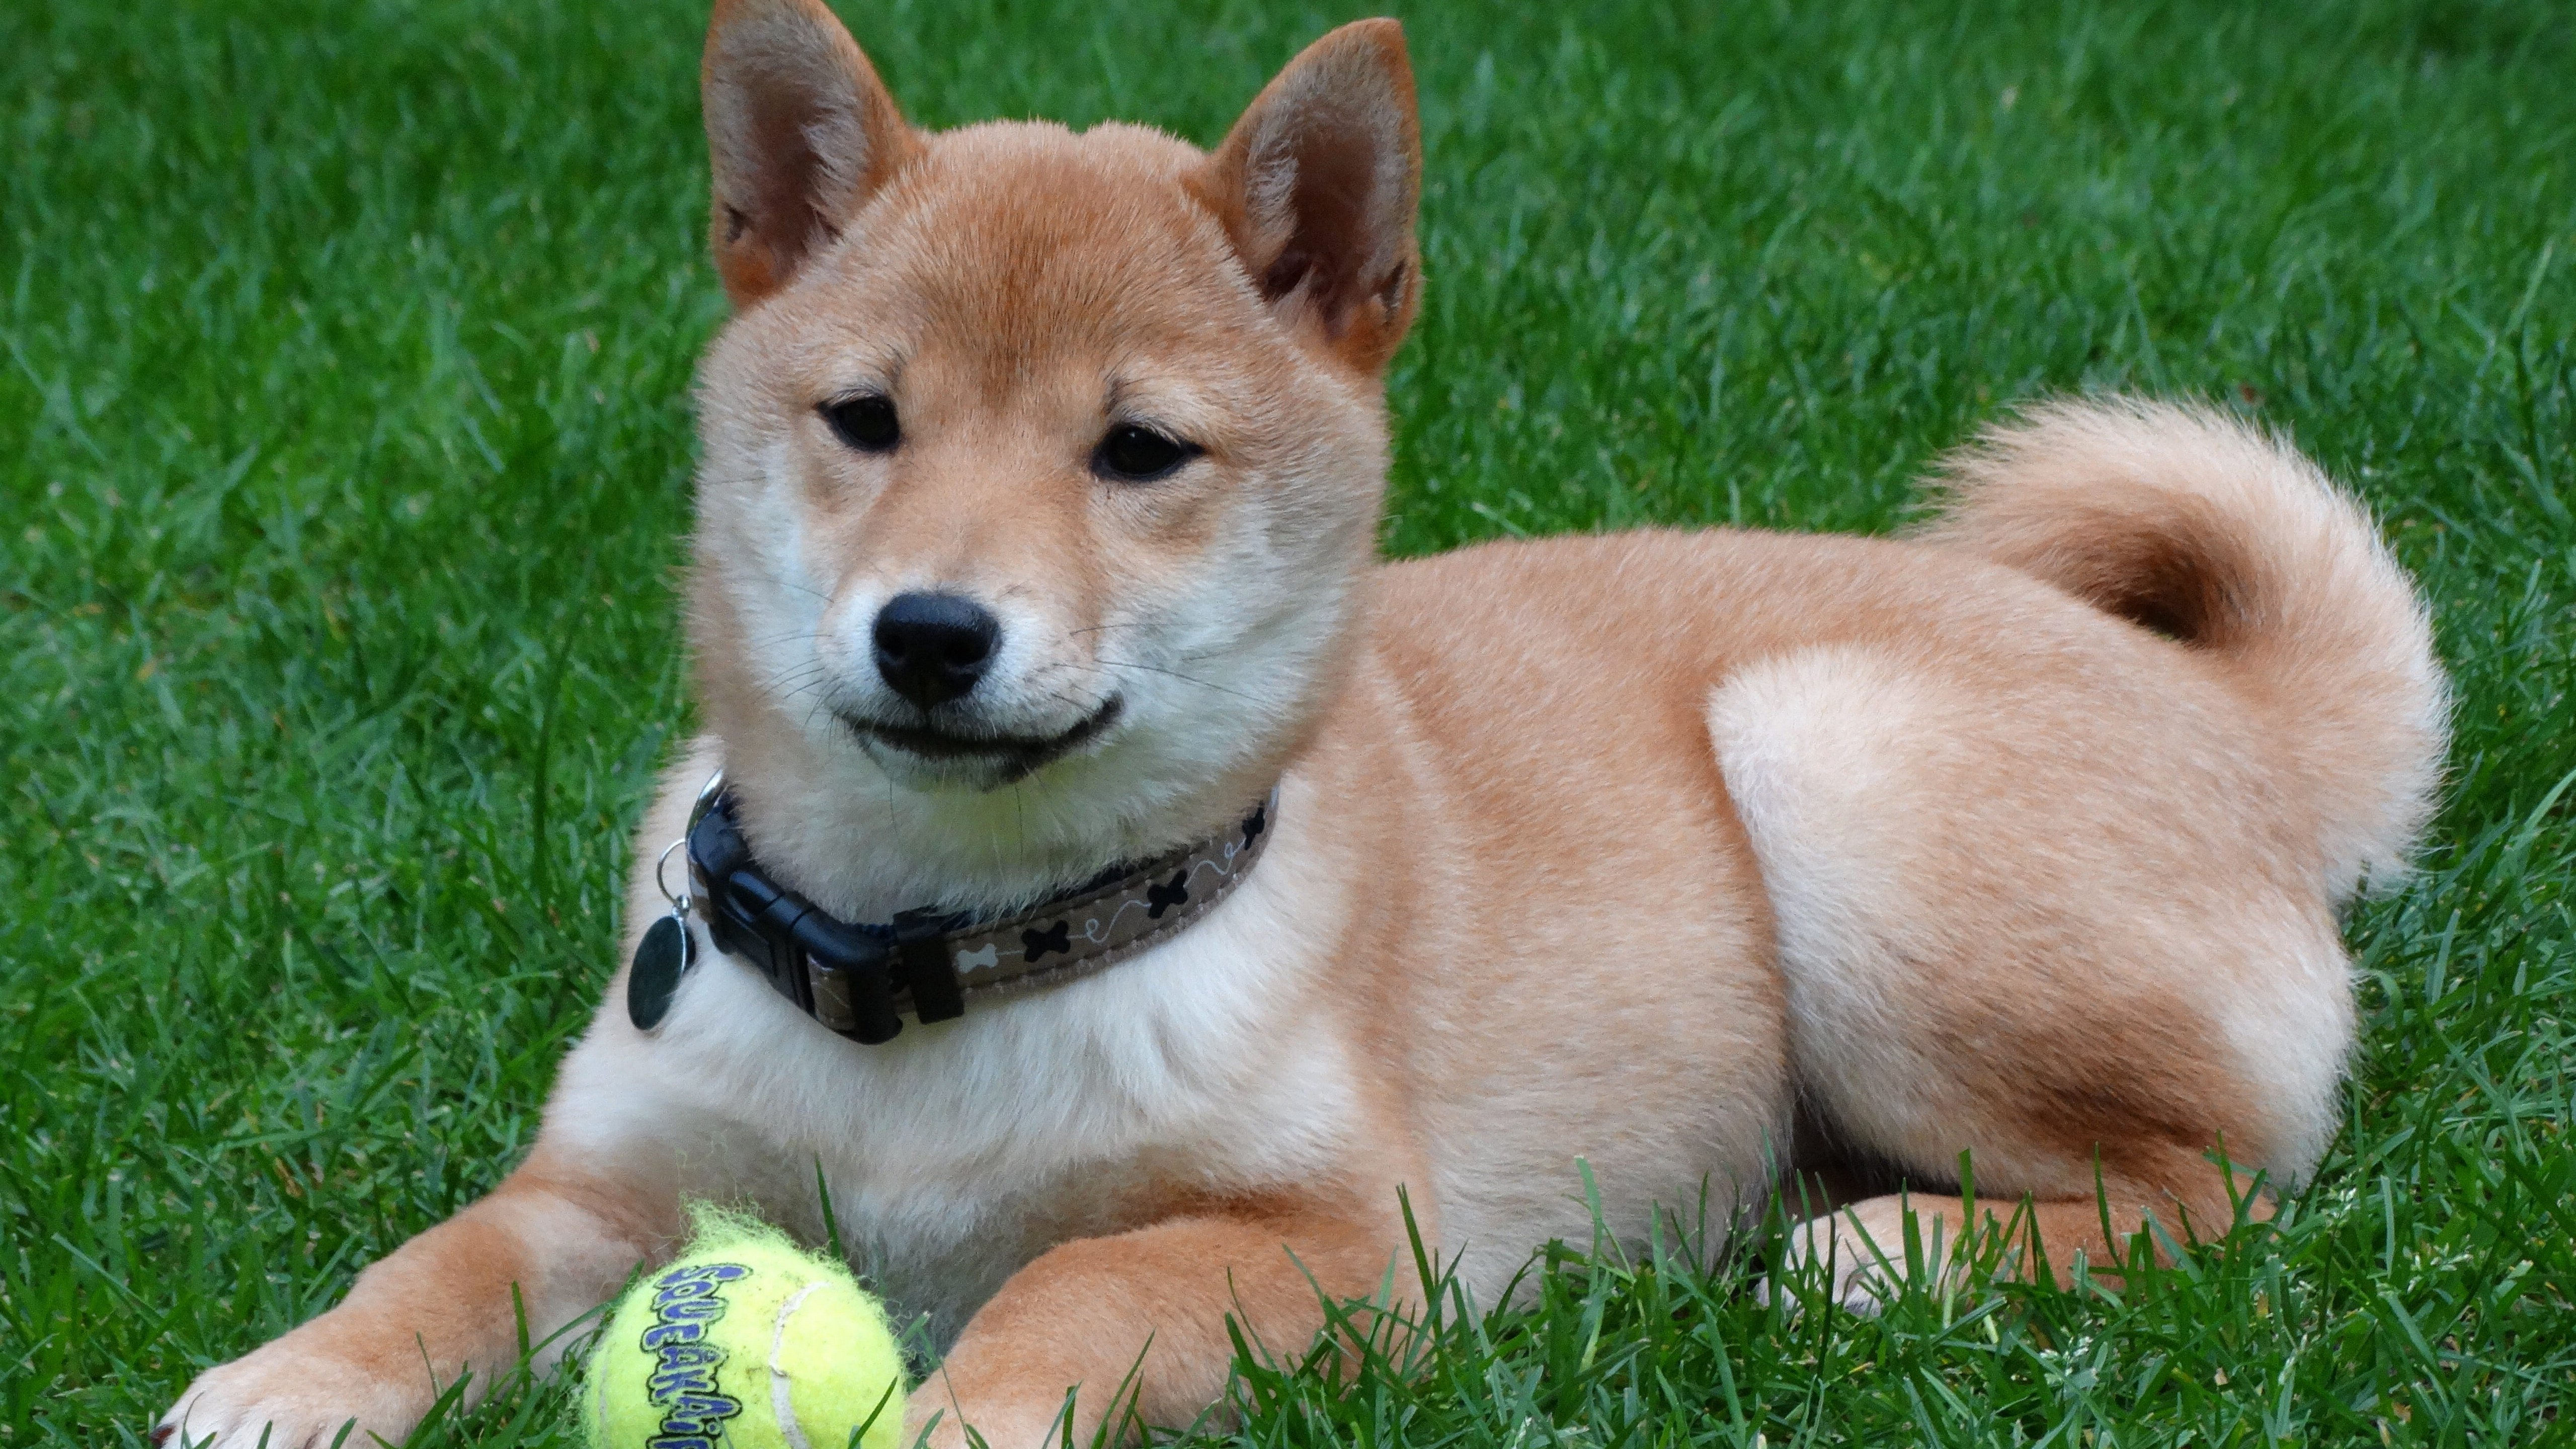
[(1317, 184), (800, 131)]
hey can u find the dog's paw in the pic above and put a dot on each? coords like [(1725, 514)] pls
[(1858, 1253), (299, 1394)]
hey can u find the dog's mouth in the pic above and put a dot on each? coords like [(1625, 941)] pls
[(1016, 755)]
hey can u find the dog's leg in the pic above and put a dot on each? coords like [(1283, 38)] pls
[(1870, 1248), (1139, 1321), (551, 1242), (2011, 930)]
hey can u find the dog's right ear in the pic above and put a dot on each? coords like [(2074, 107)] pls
[(800, 132)]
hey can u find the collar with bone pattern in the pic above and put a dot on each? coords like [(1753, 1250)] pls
[(862, 979)]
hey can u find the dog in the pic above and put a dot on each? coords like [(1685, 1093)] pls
[(1040, 479)]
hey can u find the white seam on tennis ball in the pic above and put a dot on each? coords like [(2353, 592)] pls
[(782, 1407)]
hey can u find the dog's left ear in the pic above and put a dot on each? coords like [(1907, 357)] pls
[(800, 133), (1316, 185)]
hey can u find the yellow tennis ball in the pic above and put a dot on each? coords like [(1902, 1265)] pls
[(746, 1342)]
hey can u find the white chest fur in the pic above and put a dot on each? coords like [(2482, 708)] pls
[(956, 1152)]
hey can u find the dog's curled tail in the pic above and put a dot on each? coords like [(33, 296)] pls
[(2206, 530)]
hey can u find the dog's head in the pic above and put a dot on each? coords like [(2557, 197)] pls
[(1040, 457)]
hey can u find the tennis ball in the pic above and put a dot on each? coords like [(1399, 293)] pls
[(749, 1342)]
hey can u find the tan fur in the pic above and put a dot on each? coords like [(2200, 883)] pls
[(1690, 859)]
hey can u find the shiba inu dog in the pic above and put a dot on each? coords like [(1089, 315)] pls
[(1122, 886)]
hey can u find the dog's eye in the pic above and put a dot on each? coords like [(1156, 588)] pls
[(865, 422), (1132, 454)]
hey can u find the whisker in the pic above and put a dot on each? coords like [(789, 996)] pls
[(802, 676), (803, 588), (1086, 708), (1184, 678), (794, 665)]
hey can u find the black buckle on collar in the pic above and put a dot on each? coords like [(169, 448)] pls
[(921, 965), (842, 975)]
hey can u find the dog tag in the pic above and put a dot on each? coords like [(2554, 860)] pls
[(659, 964)]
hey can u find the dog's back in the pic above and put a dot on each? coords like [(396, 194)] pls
[(2051, 880)]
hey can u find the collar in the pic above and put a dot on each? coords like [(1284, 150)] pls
[(861, 979)]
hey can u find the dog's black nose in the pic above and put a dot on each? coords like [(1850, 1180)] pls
[(931, 648)]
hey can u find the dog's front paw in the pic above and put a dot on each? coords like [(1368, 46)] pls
[(299, 1391), (935, 1419)]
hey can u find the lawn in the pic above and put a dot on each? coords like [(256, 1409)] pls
[(344, 440)]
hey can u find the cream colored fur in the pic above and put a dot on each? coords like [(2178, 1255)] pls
[(1693, 858)]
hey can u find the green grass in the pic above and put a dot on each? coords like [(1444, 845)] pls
[(344, 434)]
